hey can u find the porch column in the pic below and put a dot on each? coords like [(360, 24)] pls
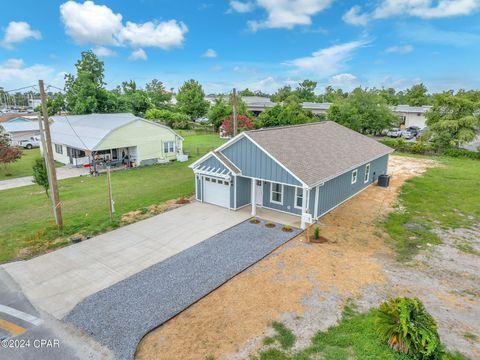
[(304, 206), (252, 197)]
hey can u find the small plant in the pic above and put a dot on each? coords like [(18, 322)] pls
[(287, 228), (270, 224), (284, 336), (143, 210), (316, 233), (254, 220), (407, 327)]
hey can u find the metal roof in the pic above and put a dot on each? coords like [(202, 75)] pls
[(11, 127), (87, 131), (316, 106), (411, 109), (317, 152)]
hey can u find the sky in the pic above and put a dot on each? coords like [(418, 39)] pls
[(259, 44)]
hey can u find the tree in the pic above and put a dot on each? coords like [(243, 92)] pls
[(305, 90), (331, 95), (282, 94), (453, 120), (191, 99), (40, 176), (84, 93), (8, 153), (157, 93), (246, 92), (171, 118), (219, 111), (363, 111), (417, 95), (290, 112), (244, 123)]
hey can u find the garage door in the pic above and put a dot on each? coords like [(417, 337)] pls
[(216, 191)]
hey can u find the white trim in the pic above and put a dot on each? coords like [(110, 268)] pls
[(234, 179), (315, 206), (352, 168), (366, 176), (267, 180), (358, 192), (271, 192), (241, 207), (203, 158), (295, 198), (282, 211), (197, 177), (278, 162), (230, 142), (253, 194), (224, 164), (355, 171)]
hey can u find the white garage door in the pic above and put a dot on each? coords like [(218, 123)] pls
[(216, 191)]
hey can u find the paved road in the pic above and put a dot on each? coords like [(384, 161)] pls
[(57, 281), (29, 335), (64, 172), (122, 314)]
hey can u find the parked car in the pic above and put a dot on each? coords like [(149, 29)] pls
[(394, 133), (34, 141), (410, 132)]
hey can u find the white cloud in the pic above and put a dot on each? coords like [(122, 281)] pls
[(288, 13), (210, 53), (18, 31), (14, 73), (164, 35), (103, 51), (345, 81), (138, 54), (399, 49), (241, 7), (355, 17), (328, 61), (426, 9), (89, 23)]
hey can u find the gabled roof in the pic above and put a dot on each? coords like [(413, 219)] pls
[(87, 131), (317, 152), (21, 126), (226, 162)]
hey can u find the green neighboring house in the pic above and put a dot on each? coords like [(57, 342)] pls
[(113, 138)]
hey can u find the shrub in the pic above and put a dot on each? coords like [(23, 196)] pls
[(287, 228), (254, 220), (407, 327), (316, 233), (461, 153), (415, 147), (270, 224)]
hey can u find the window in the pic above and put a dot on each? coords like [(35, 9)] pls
[(220, 181), (298, 198), (58, 149), (276, 193), (207, 179), (169, 147), (214, 180), (367, 173), (354, 176)]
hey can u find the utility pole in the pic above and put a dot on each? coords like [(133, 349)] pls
[(52, 174), (111, 207), (234, 106)]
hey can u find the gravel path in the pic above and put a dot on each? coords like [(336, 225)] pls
[(122, 314)]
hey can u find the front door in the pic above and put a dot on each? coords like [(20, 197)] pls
[(259, 193)]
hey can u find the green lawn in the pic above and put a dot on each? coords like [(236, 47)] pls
[(444, 197), (355, 337), (197, 144), (22, 167), (26, 216)]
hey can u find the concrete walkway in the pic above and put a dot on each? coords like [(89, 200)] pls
[(57, 281), (63, 172), (122, 314)]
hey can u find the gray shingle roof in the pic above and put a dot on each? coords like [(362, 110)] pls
[(317, 152), (227, 162)]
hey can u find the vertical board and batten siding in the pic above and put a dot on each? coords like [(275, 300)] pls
[(199, 187), (340, 188), (288, 204), (213, 162), (257, 164), (244, 189)]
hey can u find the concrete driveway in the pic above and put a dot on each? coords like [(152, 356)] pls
[(64, 172), (57, 281)]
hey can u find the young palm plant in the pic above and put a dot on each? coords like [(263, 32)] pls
[(407, 327)]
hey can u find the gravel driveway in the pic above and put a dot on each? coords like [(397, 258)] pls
[(119, 316)]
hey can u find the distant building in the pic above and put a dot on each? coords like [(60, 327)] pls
[(21, 130)]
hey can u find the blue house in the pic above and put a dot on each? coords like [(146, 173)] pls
[(305, 170)]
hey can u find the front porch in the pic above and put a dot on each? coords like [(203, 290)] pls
[(275, 216)]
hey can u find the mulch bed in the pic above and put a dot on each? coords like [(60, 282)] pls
[(320, 240)]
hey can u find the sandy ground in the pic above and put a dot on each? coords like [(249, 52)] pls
[(305, 285)]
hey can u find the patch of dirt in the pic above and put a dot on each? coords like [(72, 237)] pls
[(305, 285), (149, 211)]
